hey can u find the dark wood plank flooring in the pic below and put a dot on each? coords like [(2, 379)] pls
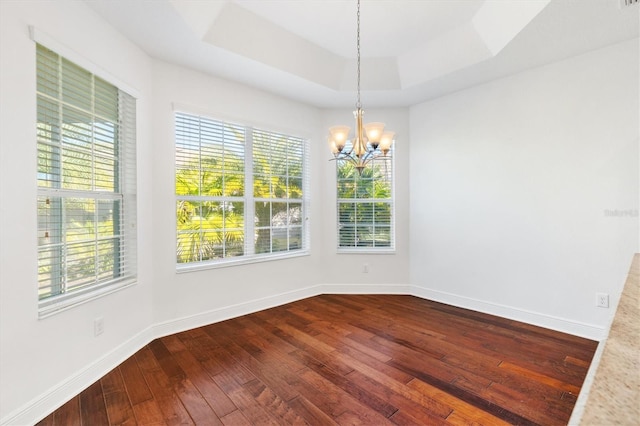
[(344, 359)]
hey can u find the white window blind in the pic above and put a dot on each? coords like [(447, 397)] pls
[(239, 192), (210, 187), (278, 191), (365, 206), (86, 183)]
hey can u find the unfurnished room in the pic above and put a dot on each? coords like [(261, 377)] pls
[(351, 212)]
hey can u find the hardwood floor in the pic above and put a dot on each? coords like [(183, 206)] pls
[(344, 359)]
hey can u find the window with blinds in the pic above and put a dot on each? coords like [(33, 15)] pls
[(86, 178), (240, 193), (365, 206)]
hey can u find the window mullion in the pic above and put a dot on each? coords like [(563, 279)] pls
[(72, 193), (286, 184), (93, 176), (200, 175), (249, 207), (288, 221), (270, 227), (93, 134), (61, 252), (200, 231), (95, 240), (58, 181), (63, 246)]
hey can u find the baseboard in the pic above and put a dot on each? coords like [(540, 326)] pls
[(38, 408), (366, 289), (564, 325), (50, 400), (221, 314), (232, 311)]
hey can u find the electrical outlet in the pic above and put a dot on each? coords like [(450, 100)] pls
[(98, 326), (365, 268), (602, 300)]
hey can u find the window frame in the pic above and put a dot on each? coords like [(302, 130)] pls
[(391, 248), (125, 174), (248, 198)]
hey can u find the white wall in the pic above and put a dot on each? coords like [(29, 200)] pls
[(45, 362), (209, 294), (39, 356), (183, 300), (510, 182)]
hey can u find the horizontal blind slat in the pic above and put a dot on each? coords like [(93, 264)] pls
[(86, 180), (365, 204), (210, 165)]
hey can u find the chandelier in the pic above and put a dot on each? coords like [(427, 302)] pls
[(370, 140)]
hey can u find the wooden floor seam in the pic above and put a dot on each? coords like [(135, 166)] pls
[(346, 360)]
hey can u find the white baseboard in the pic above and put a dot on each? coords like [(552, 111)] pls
[(366, 289), (38, 408), (50, 400), (564, 325), (232, 311)]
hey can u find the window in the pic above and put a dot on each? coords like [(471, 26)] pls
[(86, 184), (240, 192), (365, 206)]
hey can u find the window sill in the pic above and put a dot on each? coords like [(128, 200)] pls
[(57, 304), (366, 250), (215, 264)]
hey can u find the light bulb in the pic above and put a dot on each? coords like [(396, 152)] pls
[(374, 132), (385, 142), (332, 146), (339, 134)]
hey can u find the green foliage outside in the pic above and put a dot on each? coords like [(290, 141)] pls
[(79, 202), (210, 211), (364, 204), (79, 242)]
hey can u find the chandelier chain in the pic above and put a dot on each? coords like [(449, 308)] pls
[(370, 140), (358, 104)]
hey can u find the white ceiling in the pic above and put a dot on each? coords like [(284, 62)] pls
[(412, 50), (389, 27)]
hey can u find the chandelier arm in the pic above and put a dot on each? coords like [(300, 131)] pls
[(349, 158), (367, 157), (343, 156)]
